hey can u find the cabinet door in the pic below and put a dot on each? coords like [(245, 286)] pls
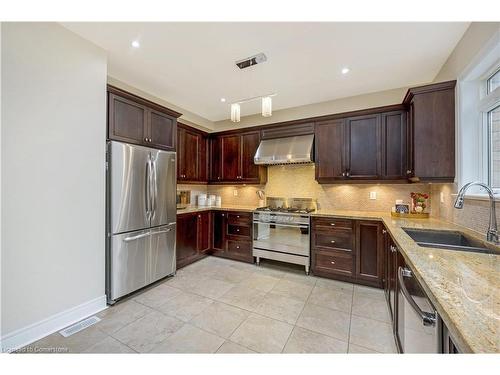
[(187, 239), (433, 133), (231, 149), (180, 154), (127, 120), (394, 150), (162, 130), (329, 144), (249, 144), (219, 231), (369, 252), (216, 159), (191, 155), (203, 232), (363, 147), (203, 160)]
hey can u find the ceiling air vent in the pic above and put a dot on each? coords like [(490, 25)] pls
[(250, 61)]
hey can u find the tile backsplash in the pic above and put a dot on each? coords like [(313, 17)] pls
[(298, 181), (474, 215)]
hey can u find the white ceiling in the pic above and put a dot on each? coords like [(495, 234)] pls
[(192, 64)]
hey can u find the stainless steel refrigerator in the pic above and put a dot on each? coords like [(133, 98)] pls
[(141, 217)]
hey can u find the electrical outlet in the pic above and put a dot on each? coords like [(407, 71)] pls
[(373, 195), (441, 197), (235, 192)]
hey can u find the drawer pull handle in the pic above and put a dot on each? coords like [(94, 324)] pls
[(332, 224), (332, 241), (332, 262), (237, 247)]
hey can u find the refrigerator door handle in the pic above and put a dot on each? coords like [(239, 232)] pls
[(148, 188), (162, 231), (154, 188), (139, 236)]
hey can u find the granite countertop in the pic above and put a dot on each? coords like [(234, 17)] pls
[(224, 207), (464, 287)]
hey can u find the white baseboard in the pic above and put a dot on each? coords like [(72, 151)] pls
[(36, 331)]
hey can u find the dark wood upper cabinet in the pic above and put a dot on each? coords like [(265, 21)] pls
[(363, 147), (249, 144), (192, 164), (162, 129), (329, 150), (136, 120), (231, 159), (394, 145), (432, 131)]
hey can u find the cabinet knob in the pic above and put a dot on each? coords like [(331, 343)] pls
[(238, 216), (343, 174), (332, 262), (347, 174), (408, 171), (145, 139), (384, 231), (332, 241), (222, 215), (237, 230), (237, 247), (332, 224), (199, 215)]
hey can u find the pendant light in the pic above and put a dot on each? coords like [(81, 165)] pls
[(267, 106), (235, 112)]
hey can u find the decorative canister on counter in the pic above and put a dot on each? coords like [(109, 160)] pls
[(418, 202)]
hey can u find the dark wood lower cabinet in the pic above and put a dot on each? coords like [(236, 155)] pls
[(347, 250), (193, 237), (232, 235)]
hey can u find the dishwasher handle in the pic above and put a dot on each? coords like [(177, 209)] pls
[(428, 319)]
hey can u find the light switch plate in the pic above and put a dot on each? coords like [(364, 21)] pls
[(373, 195)]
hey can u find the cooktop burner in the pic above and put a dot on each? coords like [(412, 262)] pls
[(292, 210)]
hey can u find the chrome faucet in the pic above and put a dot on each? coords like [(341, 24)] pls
[(492, 234)]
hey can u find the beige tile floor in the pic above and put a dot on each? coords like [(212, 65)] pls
[(222, 306)]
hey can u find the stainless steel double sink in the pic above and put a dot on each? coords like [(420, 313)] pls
[(447, 239)]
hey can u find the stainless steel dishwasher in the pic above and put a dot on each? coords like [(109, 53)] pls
[(419, 327)]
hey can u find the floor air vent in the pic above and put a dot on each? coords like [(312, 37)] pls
[(77, 327)]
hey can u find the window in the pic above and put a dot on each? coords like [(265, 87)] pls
[(493, 119), (493, 82)]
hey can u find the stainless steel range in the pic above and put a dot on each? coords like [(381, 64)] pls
[(281, 230)]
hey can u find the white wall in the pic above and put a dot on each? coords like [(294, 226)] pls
[(352, 103), (53, 178)]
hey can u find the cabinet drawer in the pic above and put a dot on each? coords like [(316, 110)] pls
[(327, 222), (238, 230), (338, 262), (334, 239), (239, 250), (240, 218)]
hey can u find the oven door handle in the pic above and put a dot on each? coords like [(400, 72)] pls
[(428, 319), (283, 225)]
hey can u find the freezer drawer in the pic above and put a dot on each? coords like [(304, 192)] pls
[(140, 258)]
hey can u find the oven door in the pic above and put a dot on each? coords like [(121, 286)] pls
[(284, 238)]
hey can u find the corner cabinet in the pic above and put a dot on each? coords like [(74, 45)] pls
[(192, 155), (431, 111), (136, 120), (231, 159), (369, 147)]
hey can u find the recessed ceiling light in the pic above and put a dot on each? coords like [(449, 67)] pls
[(223, 100), (136, 44), (345, 70)]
